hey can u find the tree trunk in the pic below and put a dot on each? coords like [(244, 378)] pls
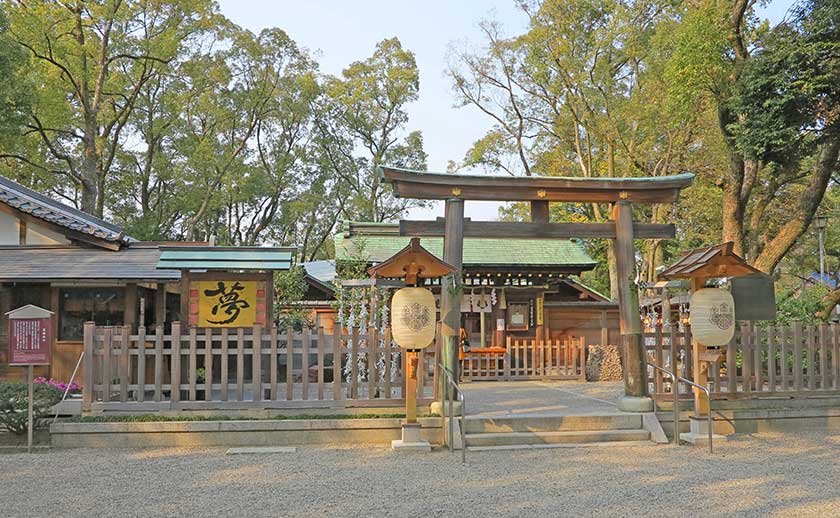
[(801, 218), (733, 205), (89, 172)]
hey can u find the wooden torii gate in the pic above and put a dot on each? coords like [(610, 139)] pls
[(622, 193)]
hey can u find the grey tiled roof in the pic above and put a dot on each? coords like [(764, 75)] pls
[(323, 271), (57, 263), (40, 206)]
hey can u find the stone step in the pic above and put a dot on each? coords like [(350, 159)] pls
[(565, 437), (549, 423), (515, 447)]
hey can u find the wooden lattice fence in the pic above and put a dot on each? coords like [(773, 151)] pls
[(793, 360), (246, 368), (528, 359)]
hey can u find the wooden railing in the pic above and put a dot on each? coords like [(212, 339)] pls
[(217, 369), (761, 361), (528, 359)]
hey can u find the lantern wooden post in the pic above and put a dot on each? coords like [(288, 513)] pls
[(699, 367), (417, 324), (699, 266), (411, 361)]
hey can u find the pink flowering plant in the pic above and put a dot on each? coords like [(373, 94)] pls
[(60, 385)]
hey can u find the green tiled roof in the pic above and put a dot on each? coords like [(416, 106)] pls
[(377, 242), (225, 258)]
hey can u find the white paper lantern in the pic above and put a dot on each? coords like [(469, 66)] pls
[(413, 318), (712, 316)]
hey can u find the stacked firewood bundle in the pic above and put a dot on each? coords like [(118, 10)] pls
[(603, 363)]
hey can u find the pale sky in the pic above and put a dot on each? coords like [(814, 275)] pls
[(342, 31)]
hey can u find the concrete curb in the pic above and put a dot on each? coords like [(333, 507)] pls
[(235, 433)]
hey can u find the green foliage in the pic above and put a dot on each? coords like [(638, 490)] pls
[(15, 88), (367, 110), (800, 305), (14, 401), (181, 125), (290, 287), (790, 84)]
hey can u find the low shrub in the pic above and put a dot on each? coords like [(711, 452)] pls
[(14, 399)]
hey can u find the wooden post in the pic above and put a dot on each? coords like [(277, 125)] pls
[(635, 369), (700, 368), (160, 304), (256, 363), (411, 387), (605, 330), (87, 381), (130, 309), (184, 288), (483, 340), (269, 298), (539, 212), (450, 303), (29, 407), (175, 363)]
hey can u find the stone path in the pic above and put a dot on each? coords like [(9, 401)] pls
[(496, 398)]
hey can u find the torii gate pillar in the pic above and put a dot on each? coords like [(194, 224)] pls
[(635, 397), (450, 300)]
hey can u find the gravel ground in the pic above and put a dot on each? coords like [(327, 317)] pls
[(757, 475)]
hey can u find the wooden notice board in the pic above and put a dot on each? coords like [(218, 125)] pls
[(30, 336)]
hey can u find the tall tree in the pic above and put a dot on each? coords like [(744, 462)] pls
[(93, 57), (369, 113), (579, 94), (776, 94)]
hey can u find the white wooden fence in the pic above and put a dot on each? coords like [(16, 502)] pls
[(528, 359), (217, 369), (793, 361)]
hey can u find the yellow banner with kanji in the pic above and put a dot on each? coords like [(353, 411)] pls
[(227, 303)]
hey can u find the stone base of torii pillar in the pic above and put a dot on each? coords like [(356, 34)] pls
[(411, 439)]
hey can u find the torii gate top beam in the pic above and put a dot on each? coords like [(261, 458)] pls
[(435, 186)]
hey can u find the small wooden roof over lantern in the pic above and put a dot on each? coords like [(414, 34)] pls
[(412, 263), (708, 263)]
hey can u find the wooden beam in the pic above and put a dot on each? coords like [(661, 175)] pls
[(435, 186), (509, 229)]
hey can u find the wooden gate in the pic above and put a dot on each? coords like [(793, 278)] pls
[(528, 359)]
